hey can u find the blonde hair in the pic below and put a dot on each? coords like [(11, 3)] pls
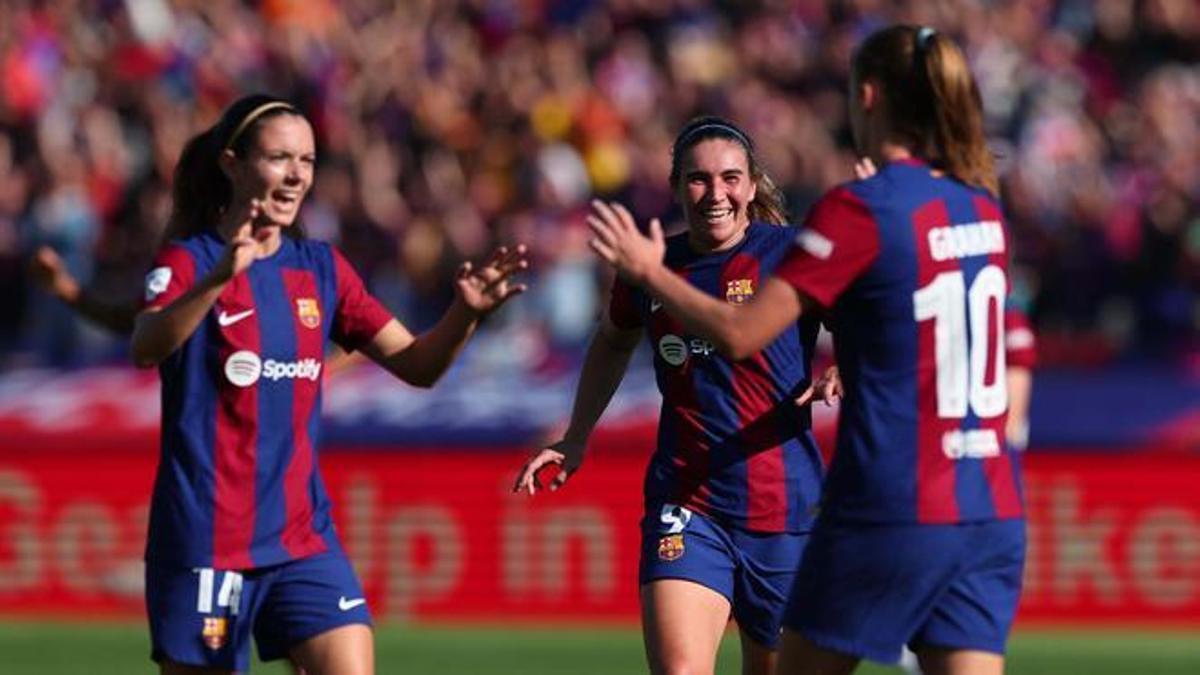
[(931, 99)]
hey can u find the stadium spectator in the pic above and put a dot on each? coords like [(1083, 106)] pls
[(733, 484), (920, 541), (1093, 109), (240, 540)]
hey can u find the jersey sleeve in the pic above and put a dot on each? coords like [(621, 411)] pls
[(173, 273), (622, 309), (1020, 343), (838, 242), (359, 316)]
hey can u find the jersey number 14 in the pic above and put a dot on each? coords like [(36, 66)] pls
[(962, 357)]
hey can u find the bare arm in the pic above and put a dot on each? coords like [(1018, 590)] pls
[(52, 275), (738, 331), (604, 367), (422, 360), (1020, 386), (158, 333)]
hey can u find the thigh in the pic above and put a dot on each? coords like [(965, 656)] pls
[(309, 597), (686, 576), (865, 590), (200, 618), (936, 661), (800, 656), (764, 576), (347, 650), (977, 608), (682, 624)]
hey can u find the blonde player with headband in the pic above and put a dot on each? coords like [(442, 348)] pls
[(239, 311)]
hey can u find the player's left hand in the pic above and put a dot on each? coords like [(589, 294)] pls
[(827, 388), (618, 241), (483, 289)]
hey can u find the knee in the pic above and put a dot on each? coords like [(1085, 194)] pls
[(682, 666)]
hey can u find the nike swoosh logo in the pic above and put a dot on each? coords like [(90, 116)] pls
[(655, 305), (347, 605), (230, 319)]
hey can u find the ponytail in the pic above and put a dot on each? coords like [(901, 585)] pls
[(931, 99), (200, 191)]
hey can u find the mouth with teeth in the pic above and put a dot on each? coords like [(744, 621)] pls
[(716, 214), (284, 201)]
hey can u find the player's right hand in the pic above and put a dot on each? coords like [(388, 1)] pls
[(566, 454), (242, 249), (50, 273)]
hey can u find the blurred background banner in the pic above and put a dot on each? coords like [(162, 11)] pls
[(447, 126), (437, 535)]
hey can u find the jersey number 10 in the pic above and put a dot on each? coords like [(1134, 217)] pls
[(961, 357)]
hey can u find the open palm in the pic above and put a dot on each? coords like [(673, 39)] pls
[(484, 288)]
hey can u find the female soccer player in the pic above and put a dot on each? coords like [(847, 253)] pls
[(238, 312), (921, 537), (732, 487)]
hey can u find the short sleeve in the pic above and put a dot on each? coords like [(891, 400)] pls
[(359, 316), (1020, 342), (838, 242), (173, 273), (622, 310)]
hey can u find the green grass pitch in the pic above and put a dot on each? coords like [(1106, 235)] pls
[(53, 648)]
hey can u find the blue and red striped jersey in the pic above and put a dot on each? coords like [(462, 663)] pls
[(911, 266), (237, 484), (731, 442)]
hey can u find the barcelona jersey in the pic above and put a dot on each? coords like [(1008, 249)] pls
[(911, 266), (732, 444), (237, 484)]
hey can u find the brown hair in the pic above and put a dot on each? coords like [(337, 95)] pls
[(768, 204), (931, 99)]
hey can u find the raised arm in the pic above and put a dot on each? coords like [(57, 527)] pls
[(159, 332), (422, 360), (738, 331), (51, 274), (603, 369)]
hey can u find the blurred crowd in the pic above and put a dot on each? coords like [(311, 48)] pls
[(445, 126)]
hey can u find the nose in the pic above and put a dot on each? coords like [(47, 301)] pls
[(295, 172)]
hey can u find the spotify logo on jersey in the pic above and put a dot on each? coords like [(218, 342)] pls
[(243, 368), (673, 349)]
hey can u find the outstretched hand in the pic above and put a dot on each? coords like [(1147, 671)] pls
[(827, 388), (567, 455), (618, 241), (483, 289), (50, 273)]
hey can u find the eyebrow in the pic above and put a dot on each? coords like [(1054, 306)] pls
[(696, 173)]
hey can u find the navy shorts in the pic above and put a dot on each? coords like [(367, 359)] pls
[(754, 571), (867, 590), (200, 616)]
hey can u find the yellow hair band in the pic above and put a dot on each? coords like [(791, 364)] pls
[(255, 114)]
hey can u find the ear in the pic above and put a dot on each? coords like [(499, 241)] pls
[(868, 94), (227, 161)]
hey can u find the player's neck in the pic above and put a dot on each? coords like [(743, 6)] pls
[(892, 152)]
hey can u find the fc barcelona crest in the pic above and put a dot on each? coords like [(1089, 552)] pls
[(309, 312), (738, 291), (215, 633), (670, 547)]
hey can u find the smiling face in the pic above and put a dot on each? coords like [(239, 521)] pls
[(276, 168), (715, 189)]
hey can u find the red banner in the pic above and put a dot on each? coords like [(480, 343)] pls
[(437, 535)]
